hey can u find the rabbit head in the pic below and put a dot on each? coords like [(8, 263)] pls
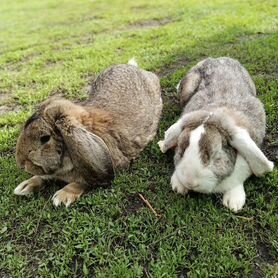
[(54, 135), (40, 148), (206, 146), (203, 157)]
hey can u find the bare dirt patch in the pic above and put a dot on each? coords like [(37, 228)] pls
[(150, 23), (245, 38), (264, 256), (250, 37), (170, 68), (139, 8), (133, 204), (4, 98), (5, 104), (7, 107), (17, 64), (4, 109), (264, 252), (270, 145)]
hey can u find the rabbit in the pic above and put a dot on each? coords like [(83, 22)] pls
[(87, 143), (218, 135)]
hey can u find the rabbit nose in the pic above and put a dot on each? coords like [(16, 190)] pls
[(193, 185), (191, 182)]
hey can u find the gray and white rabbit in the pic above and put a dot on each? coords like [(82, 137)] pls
[(85, 143), (217, 138)]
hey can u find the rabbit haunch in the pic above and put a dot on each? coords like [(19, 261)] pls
[(216, 140), (84, 143)]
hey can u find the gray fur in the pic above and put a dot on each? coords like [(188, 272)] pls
[(216, 139), (220, 94), (133, 96), (224, 82)]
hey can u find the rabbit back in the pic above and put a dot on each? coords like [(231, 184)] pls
[(133, 97), (224, 82)]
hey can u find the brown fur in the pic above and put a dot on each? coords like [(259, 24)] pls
[(87, 142), (98, 121)]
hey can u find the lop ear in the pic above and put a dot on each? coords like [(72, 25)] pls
[(244, 144), (87, 150), (170, 137), (56, 108), (192, 119)]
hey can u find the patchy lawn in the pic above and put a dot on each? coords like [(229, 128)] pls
[(51, 46)]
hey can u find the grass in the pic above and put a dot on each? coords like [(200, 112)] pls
[(57, 47)]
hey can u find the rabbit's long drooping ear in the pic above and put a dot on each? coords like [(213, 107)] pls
[(87, 150), (171, 137), (240, 139), (172, 134), (188, 86), (244, 144), (55, 108)]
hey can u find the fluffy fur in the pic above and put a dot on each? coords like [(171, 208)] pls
[(85, 143), (216, 140)]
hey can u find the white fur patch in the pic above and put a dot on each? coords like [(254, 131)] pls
[(234, 199), (240, 173), (23, 188), (56, 200), (178, 86), (196, 135), (250, 151), (132, 62), (27, 187), (161, 144), (65, 197), (171, 137), (177, 186), (232, 186), (190, 171)]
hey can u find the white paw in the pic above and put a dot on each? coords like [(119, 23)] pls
[(161, 146), (23, 188), (260, 169), (270, 165), (178, 86), (177, 186), (29, 186), (65, 197), (234, 199), (170, 137)]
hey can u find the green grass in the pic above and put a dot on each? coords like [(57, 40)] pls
[(54, 46)]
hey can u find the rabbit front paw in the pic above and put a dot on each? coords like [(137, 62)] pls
[(68, 194), (29, 186), (234, 199)]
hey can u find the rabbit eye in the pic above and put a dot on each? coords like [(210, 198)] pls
[(44, 139)]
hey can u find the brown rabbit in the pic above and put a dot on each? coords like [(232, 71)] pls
[(84, 144)]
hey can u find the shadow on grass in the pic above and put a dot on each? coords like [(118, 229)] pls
[(153, 171)]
